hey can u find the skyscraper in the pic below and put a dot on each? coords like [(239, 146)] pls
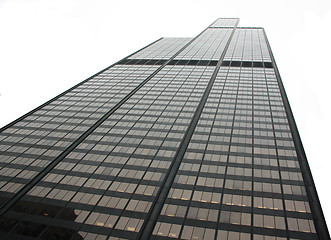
[(189, 138)]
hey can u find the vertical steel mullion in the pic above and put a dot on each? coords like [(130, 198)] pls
[(253, 165)]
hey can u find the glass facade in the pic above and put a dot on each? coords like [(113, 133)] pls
[(188, 138)]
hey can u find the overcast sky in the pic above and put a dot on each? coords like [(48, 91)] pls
[(47, 46)]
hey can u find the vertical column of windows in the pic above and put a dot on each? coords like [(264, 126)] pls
[(236, 203), (235, 210), (248, 50), (268, 203), (256, 49)]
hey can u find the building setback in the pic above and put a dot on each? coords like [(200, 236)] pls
[(189, 138)]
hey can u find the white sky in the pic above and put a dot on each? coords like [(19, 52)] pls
[(47, 46)]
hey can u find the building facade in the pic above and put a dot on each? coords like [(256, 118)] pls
[(187, 138)]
